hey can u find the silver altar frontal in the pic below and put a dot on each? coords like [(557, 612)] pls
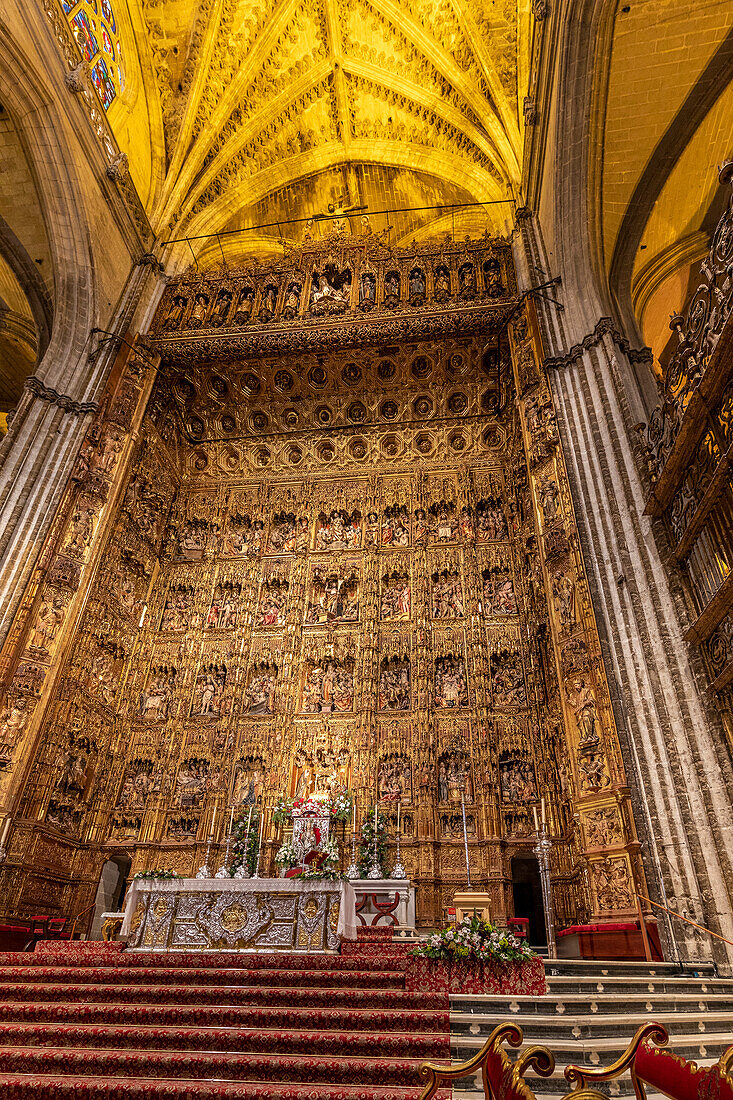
[(257, 914)]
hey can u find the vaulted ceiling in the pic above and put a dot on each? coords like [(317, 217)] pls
[(263, 114)]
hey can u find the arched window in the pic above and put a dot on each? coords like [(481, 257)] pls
[(94, 27)]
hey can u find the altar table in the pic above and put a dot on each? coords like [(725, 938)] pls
[(261, 914)]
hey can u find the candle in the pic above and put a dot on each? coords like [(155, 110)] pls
[(231, 820), (544, 819), (353, 819), (262, 824), (536, 822), (399, 806), (249, 821), (5, 831), (213, 819)]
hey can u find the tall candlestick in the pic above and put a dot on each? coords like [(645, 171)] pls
[(536, 822), (213, 819), (544, 819)]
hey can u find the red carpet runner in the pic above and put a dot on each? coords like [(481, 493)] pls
[(89, 1021)]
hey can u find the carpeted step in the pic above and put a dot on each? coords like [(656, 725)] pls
[(355, 955), (172, 975), (89, 1062), (413, 1044), (33, 1087), (217, 995), (430, 1014)]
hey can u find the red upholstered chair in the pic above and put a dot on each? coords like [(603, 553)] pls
[(651, 1066), (502, 1078), (519, 926)]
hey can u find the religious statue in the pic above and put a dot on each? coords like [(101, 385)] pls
[(221, 308), (507, 679), (417, 286), (395, 605), (155, 698), (447, 598), (583, 704), (174, 316), (450, 682), (467, 281), (198, 313), (517, 781), (273, 602), (563, 591), (46, 627), (442, 284), (243, 311), (492, 278), (328, 687), (394, 683), (490, 520), (330, 290), (549, 496), (13, 719), (291, 304), (391, 290), (367, 291)]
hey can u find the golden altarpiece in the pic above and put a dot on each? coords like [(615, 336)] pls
[(320, 531)]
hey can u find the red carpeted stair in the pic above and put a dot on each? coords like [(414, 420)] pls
[(88, 1020)]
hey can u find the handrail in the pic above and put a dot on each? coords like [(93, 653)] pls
[(78, 917), (686, 919)]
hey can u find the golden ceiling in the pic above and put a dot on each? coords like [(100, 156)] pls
[(241, 114)]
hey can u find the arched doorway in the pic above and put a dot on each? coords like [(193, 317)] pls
[(110, 891), (527, 891)]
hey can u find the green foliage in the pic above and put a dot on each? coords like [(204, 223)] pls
[(475, 940), (245, 842), (156, 873), (366, 844)]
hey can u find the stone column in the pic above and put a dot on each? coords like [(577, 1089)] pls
[(674, 751)]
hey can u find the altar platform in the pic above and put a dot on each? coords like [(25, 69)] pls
[(260, 914)]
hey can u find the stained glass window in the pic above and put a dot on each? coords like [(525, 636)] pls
[(96, 33)]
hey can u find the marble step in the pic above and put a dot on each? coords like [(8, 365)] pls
[(623, 985), (474, 1028), (599, 1004), (610, 968)]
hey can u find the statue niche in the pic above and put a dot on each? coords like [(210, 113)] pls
[(195, 778), (416, 285), (174, 316), (268, 304), (395, 778), (443, 522), (243, 312), (396, 526), (447, 595), (288, 534), (330, 290), (467, 281), (454, 777), (273, 600), (328, 686), (261, 689), (441, 284), (224, 610), (367, 291), (140, 780), (334, 598), (392, 285), (516, 777), (394, 683), (291, 305), (492, 278), (209, 694), (178, 607), (491, 523), (249, 782), (222, 305), (395, 604), (155, 698), (507, 679), (498, 591), (340, 530), (451, 688), (242, 537)]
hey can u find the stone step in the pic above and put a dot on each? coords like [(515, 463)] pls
[(601, 1004), (623, 985), (610, 967), (577, 1029)]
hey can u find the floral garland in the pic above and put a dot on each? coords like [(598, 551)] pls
[(157, 873), (337, 806), (326, 866), (475, 940)]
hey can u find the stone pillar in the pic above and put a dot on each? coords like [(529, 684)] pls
[(674, 752)]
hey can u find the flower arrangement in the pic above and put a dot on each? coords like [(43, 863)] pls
[(366, 844), (156, 873), (475, 940), (337, 806), (245, 842), (326, 865)]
